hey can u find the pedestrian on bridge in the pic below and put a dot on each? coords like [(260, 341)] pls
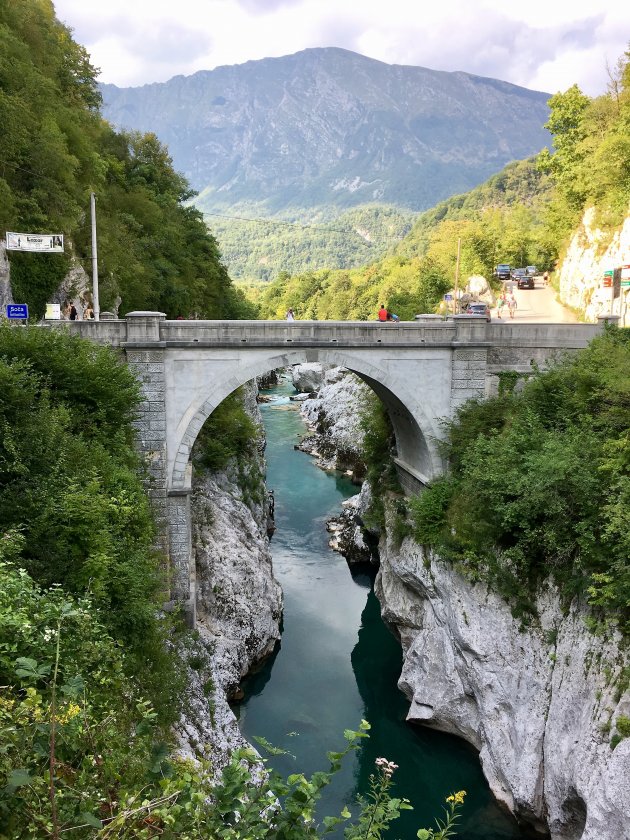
[(290, 316)]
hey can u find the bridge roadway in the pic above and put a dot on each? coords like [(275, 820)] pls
[(422, 371)]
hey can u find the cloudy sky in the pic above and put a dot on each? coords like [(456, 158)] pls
[(541, 44)]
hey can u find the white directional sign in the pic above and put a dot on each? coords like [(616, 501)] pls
[(49, 243)]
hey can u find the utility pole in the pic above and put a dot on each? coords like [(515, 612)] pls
[(97, 306), (456, 301)]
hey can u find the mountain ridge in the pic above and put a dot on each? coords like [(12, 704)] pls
[(327, 127)]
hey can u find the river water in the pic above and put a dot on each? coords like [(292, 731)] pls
[(337, 662)]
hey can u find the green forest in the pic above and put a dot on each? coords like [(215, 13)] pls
[(522, 216), (55, 148), (257, 249)]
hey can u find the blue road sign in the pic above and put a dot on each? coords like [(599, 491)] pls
[(17, 311), (448, 297)]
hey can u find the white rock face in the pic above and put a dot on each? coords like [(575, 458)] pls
[(590, 253), (538, 703), (307, 378), (334, 415), (239, 607), (74, 289)]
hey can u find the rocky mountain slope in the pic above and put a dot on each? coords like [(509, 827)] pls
[(330, 128)]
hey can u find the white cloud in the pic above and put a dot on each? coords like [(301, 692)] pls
[(538, 44)]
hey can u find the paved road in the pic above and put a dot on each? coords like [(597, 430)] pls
[(538, 306)]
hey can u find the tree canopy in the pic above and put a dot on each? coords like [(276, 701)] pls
[(55, 148)]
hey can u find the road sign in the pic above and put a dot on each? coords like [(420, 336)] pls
[(17, 311), (50, 243), (448, 297), (608, 281)]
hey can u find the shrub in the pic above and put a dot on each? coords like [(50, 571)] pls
[(622, 725), (539, 485)]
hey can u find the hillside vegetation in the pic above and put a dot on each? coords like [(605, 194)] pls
[(260, 249), (539, 486), (55, 148), (522, 216)]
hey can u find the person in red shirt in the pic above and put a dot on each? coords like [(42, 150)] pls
[(383, 314)]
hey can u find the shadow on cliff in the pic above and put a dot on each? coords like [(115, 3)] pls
[(434, 764)]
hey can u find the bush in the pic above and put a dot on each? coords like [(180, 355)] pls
[(71, 485), (623, 726), (539, 485), (229, 432), (71, 721)]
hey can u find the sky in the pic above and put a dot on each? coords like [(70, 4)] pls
[(544, 45)]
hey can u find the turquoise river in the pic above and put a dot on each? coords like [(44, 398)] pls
[(337, 662)]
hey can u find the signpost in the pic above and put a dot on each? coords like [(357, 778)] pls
[(17, 311)]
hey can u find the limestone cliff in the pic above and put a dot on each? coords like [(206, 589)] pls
[(539, 703), (592, 251), (239, 603), (333, 415)]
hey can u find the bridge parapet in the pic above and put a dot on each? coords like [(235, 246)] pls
[(152, 329)]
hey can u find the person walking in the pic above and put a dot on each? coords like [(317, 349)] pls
[(290, 316), (546, 279), (74, 315), (512, 306), (502, 302)]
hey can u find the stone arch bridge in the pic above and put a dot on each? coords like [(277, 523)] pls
[(421, 370)]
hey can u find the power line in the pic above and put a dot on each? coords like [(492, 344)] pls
[(299, 225)]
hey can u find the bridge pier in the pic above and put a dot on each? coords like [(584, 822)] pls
[(171, 507)]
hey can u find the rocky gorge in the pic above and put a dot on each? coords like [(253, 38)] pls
[(239, 601), (539, 702)]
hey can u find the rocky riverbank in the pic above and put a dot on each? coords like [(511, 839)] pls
[(540, 703), (239, 604)]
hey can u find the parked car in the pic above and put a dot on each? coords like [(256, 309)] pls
[(531, 270), (478, 308), (502, 271)]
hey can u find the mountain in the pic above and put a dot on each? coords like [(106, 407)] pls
[(327, 129)]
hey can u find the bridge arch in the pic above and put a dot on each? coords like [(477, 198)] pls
[(415, 431)]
